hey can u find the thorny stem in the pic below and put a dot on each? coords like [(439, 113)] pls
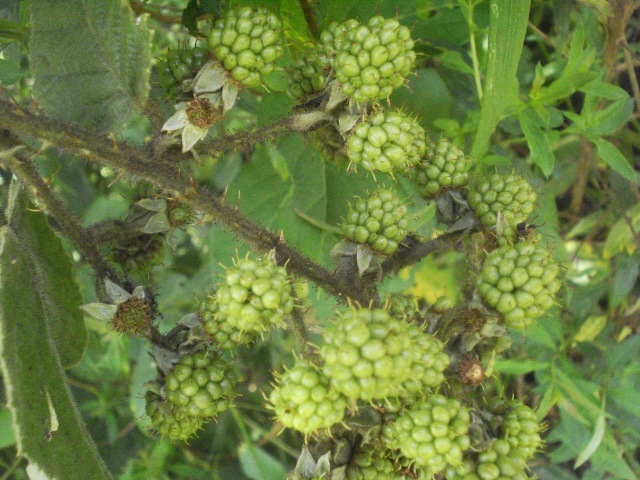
[(166, 175), (24, 169), (406, 256), (301, 334)]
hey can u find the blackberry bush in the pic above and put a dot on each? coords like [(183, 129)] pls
[(406, 382)]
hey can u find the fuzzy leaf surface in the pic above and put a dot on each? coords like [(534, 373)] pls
[(90, 61), (48, 429)]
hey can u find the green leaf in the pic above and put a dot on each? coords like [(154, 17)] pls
[(453, 60), (594, 443), (614, 158), (519, 367), (622, 235), (90, 61), (259, 465), (541, 152), (52, 272), (626, 274), (7, 438), (600, 88), (48, 428), (267, 199), (591, 328), (612, 118), (507, 27), (577, 72), (9, 72)]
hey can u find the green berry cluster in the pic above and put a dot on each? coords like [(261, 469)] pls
[(254, 296), (224, 334), (367, 463), (502, 202), (374, 59), (168, 422), (494, 463), (370, 355), (520, 281), (309, 73), (387, 142), (178, 68), (333, 37), (201, 384), (380, 221), (247, 43), (521, 430), (444, 166), (505, 457), (428, 366), (141, 253), (432, 433), (303, 400)]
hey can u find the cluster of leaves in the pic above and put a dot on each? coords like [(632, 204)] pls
[(138, 212)]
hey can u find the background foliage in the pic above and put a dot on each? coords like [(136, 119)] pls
[(562, 110)]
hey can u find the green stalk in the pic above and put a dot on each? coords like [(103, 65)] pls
[(507, 27)]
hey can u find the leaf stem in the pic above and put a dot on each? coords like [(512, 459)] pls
[(474, 51)]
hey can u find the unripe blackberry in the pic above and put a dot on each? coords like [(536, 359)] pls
[(367, 463), (386, 141), (141, 253), (201, 384), (374, 59), (519, 281), (309, 74), (364, 353), (178, 68), (224, 335), (380, 221), (494, 463), (246, 41), (401, 306), (444, 166), (502, 202), (255, 295), (333, 37), (432, 433), (429, 361), (302, 399), (168, 422), (521, 430)]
